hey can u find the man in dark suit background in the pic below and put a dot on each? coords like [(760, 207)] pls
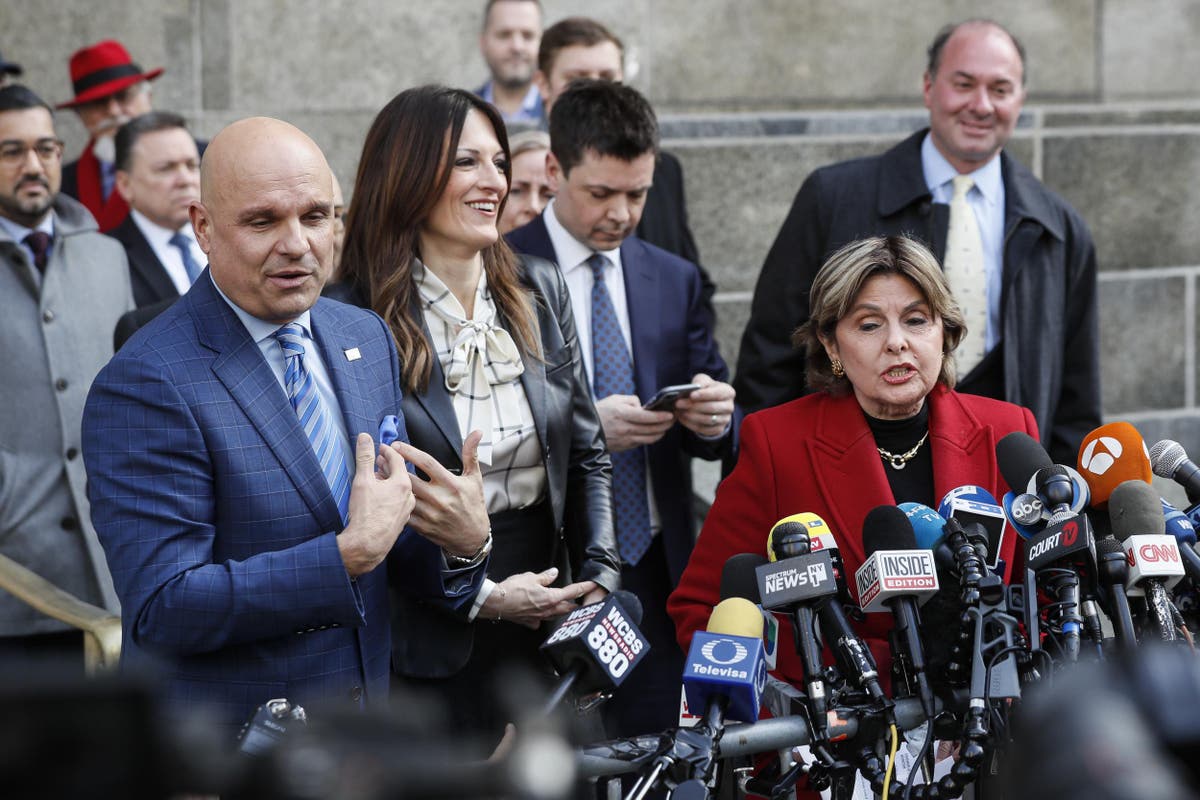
[(235, 485), (158, 175), (642, 326), (1035, 318), (579, 47)]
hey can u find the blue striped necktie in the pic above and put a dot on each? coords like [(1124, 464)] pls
[(314, 415), (612, 373), (184, 245)]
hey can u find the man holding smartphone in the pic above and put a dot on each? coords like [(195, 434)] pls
[(642, 328)]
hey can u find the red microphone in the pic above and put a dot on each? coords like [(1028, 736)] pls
[(1109, 456)]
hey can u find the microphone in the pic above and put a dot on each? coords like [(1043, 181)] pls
[(739, 578), (1027, 469), (1113, 572), (897, 577), (1109, 456), (595, 646), (822, 539), (928, 525), (725, 673), (974, 504), (1019, 456), (961, 553), (1179, 526), (854, 658), (1154, 561), (725, 663), (929, 530), (1059, 554), (1170, 460), (793, 583)]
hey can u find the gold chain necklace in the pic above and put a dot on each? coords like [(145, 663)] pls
[(899, 461)]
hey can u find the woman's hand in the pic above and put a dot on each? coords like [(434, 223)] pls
[(528, 598), (450, 509), (706, 411)]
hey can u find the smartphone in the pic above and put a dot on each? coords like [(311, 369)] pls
[(664, 399)]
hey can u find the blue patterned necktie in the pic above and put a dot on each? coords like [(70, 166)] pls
[(314, 415), (612, 373), (184, 245)]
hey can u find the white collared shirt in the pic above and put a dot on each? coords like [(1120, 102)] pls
[(263, 334), (572, 260), (159, 239), (987, 201)]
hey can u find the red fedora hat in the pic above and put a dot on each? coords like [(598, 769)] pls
[(102, 69)]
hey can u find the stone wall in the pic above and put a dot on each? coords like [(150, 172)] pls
[(754, 94)]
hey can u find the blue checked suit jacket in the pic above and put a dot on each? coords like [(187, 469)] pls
[(219, 526)]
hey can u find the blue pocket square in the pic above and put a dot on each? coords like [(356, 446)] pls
[(389, 429)]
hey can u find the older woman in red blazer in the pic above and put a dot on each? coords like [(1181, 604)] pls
[(882, 426)]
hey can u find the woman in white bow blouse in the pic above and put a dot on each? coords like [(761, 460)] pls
[(496, 400)]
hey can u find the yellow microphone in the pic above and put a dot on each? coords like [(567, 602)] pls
[(736, 616), (785, 535)]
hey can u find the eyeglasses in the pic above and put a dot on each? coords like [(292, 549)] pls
[(13, 154)]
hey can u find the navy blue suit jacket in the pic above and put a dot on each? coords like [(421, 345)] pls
[(218, 524), (672, 341)]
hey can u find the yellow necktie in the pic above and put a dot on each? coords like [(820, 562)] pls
[(966, 275)]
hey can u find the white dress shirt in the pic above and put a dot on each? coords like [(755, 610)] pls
[(159, 239)]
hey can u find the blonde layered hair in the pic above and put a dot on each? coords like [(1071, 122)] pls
[(838, 283)]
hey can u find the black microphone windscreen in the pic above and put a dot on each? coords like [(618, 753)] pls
[(630, 603), (1019, 456), (887, 528), (1135, 508), (789, 538), (1108, 545), (739, 579)]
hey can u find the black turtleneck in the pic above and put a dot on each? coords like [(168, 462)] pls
[(913, 483)]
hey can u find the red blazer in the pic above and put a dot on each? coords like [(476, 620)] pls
[(817, 454)]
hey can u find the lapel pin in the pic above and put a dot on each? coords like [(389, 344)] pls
[(352, 354)]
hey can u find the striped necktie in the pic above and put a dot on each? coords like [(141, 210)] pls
[(314, 415), (612, 373), (966, 275)]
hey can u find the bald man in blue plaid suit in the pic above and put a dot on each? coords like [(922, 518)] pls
[(246, 549)]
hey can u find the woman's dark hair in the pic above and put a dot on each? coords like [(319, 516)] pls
[(405, 166)]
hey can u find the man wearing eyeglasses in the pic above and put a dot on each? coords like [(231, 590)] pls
[(62, 288)]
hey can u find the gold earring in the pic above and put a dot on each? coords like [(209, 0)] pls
[(838, 370)]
